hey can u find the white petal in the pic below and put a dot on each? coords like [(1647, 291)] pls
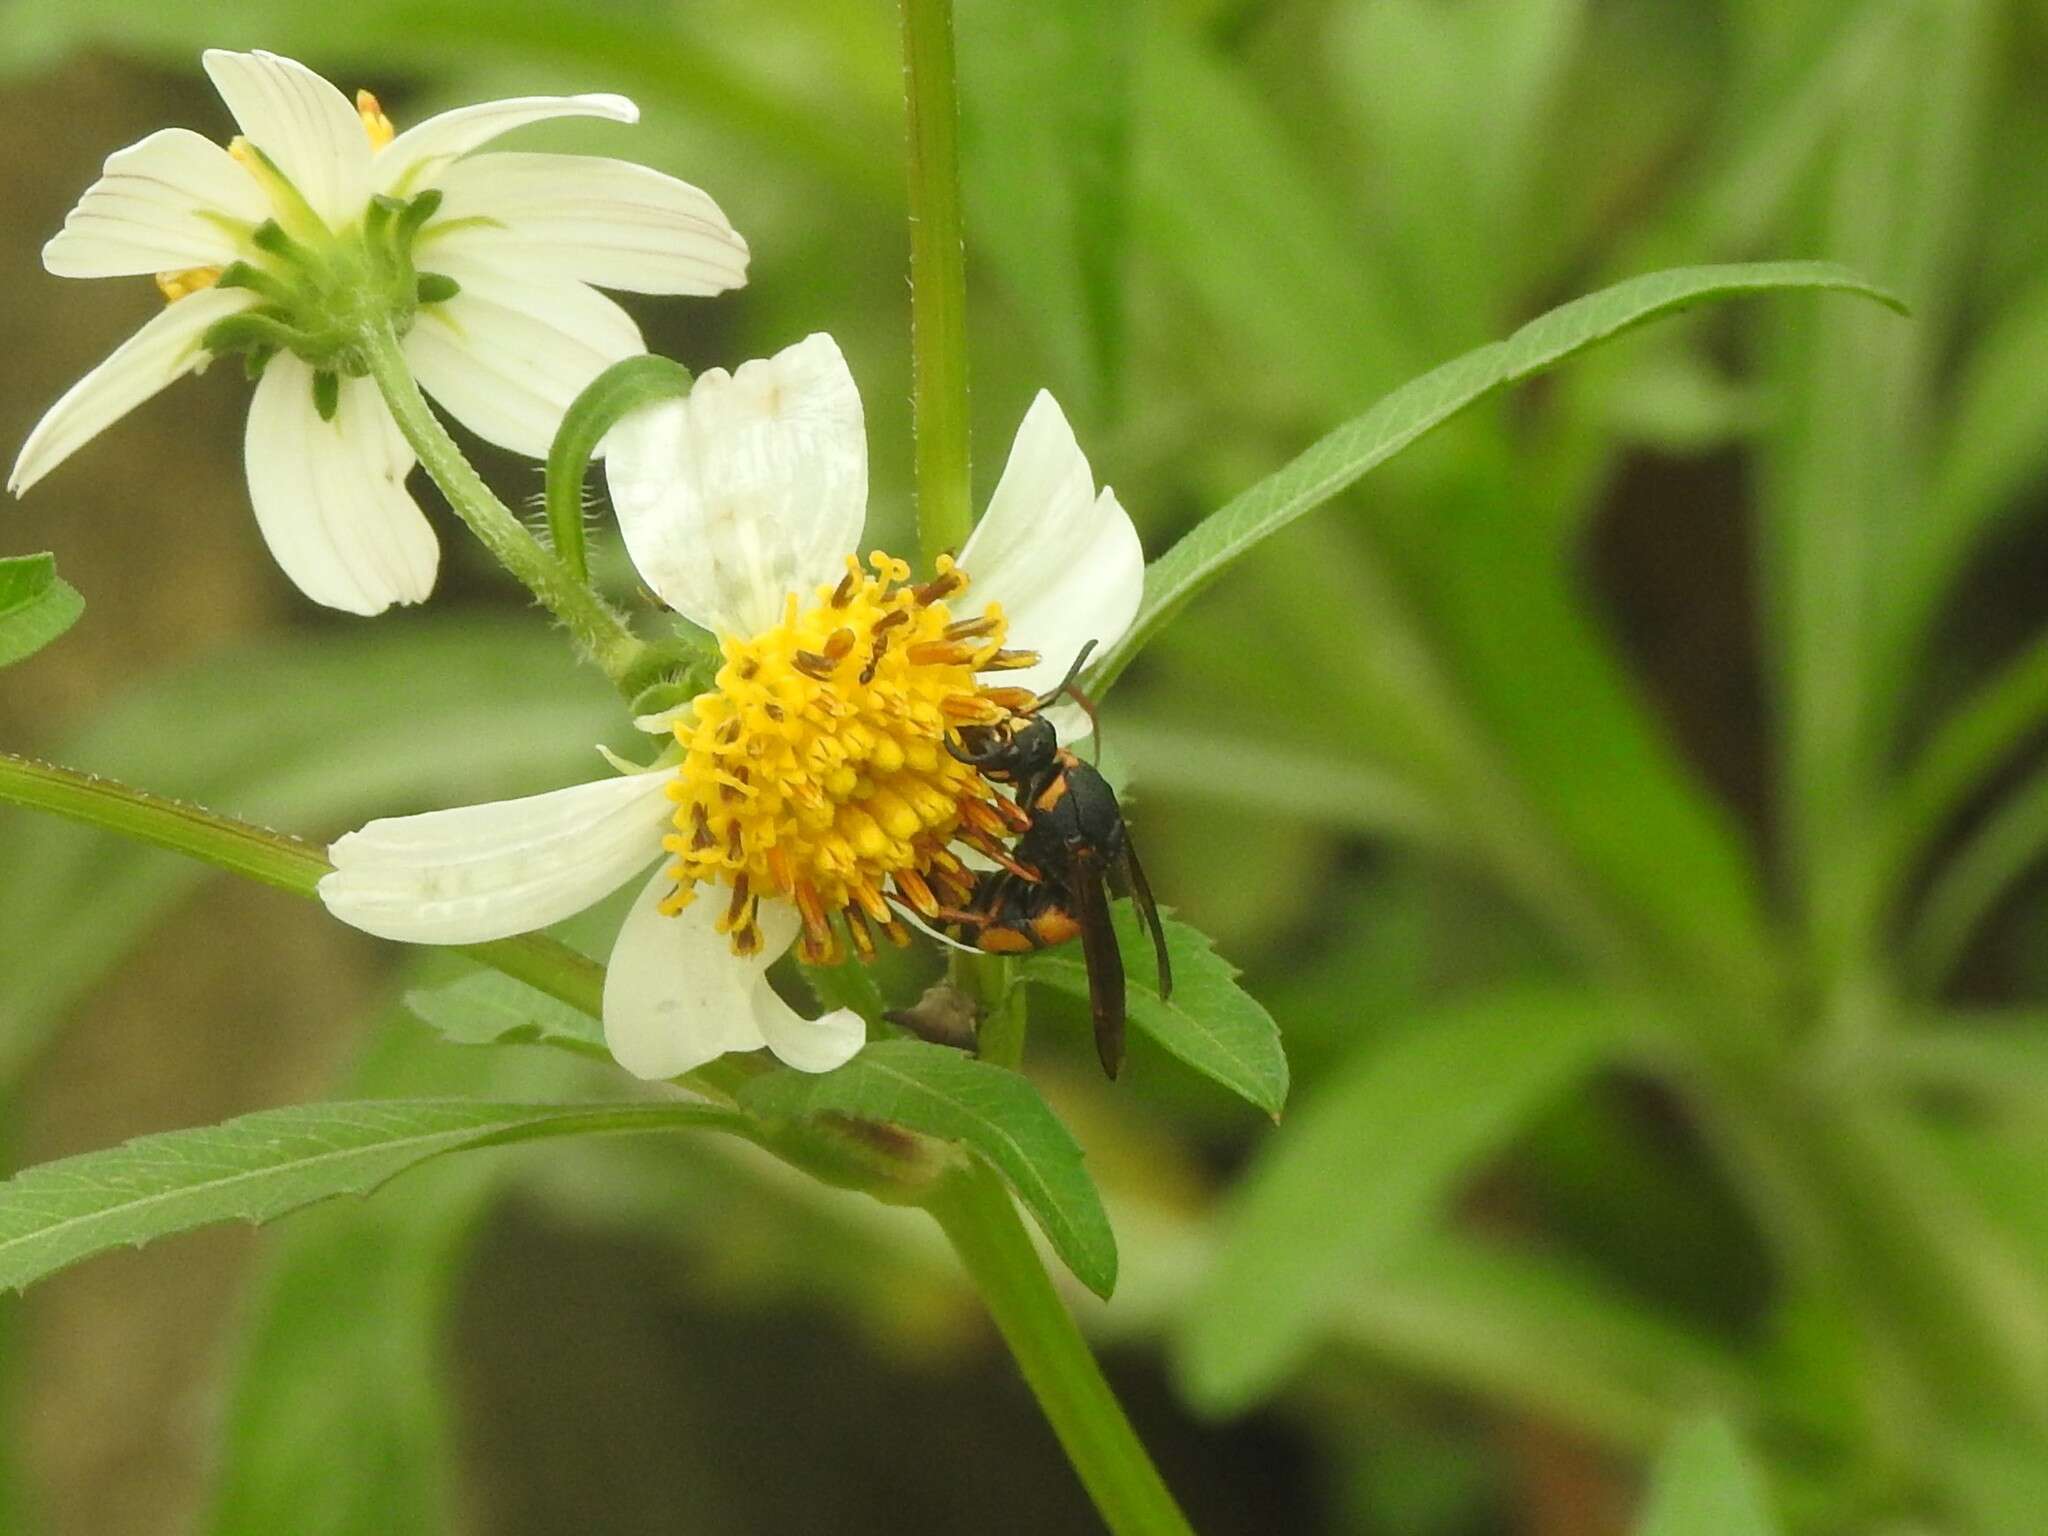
[(607, 222), (809, 1045), (1064, 562), (675, 995), (509, 353), (752, 487), (310, 131), (483, 872), (1070, 724), (166, 348), (148, 211), (330, 496), (417, 156)]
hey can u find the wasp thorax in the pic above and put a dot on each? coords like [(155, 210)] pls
[(818, 772)]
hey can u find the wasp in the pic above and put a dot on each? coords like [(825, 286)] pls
[(1072, 852)]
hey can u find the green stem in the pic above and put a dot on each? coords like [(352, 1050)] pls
[(288, 864), (601, 633), (938, 391), (975, 1212), (988, 979), (265, 856), (938, 279)]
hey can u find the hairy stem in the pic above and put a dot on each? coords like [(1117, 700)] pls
[(975, 1212), (289, 864), (938, 279), (600, 632), (1004, 1022)]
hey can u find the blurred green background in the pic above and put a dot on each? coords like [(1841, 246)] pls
[(1630, 802)]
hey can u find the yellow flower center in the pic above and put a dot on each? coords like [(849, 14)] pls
[(818, 770)]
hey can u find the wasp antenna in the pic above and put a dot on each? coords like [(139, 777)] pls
[(1094, 721), (1067, 682), (1066, 686)]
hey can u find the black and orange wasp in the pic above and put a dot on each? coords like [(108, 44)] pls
[(1072, 854)]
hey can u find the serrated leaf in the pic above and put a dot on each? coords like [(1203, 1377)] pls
[(1704, 1486), (264, 1165), (1365, 1169), (1334, 462), (36, 605), (993, 1112), (490, 1008), (1210, 1022)]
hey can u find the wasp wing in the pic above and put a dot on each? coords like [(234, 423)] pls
[(1105, 960), (1131, 875)]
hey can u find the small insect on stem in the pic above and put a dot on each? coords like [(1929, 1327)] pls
[(945, 1015)]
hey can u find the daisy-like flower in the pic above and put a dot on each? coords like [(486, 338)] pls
[(810, 798), (318, 220)]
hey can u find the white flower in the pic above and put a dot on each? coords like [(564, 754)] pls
[(814, 787), (290, 212)]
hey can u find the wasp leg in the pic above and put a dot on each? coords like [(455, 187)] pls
[(1133, 874)]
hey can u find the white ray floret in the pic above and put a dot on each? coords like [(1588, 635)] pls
[(522, 237), (738, 502)]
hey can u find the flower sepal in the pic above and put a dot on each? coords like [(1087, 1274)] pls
[(321, 297), (680, 669)]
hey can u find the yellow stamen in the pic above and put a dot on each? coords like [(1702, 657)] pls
[(818, 772), (178, 285), (375, 123)]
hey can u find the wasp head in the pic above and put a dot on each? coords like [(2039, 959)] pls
[(1014, 750)]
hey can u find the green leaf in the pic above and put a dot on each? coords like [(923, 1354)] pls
[(1972, 879), (267, 1164), (1339, 459), (490, 1008), (1544, 1334), (1211, 1023), (1238, 769), (1226, 204), (1842, 475), (605, 401), (1993, 448), (1368, 1166), (1045, 129), (1999, 1057), (36, 605), (1471, 211), (849, 984), (993, 1112), (340, 1423), (1704, 1486)]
